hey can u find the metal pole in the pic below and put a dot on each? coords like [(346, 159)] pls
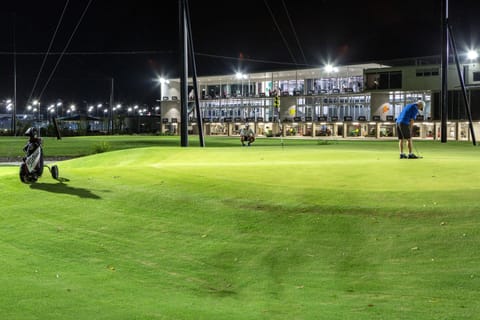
[(462, 83), (14, 110), (110, 120), (183, 74), (445, 54), (194, 72)]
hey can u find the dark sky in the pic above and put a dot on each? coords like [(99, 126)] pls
[(135, 41)]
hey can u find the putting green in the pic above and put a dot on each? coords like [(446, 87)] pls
[(307, 231)]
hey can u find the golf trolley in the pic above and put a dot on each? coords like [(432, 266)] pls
[(32, 164)]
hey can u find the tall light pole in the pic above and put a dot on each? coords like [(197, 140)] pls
[(98, 107), (461, 78), (58, 105), (186, 43), (14, 111), (37, 103), (445, 55), (183, 27), (110, 120)]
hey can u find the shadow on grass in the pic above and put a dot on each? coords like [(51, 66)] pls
[(61, 187)]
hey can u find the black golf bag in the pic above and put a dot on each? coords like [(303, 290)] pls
[(32, 164)]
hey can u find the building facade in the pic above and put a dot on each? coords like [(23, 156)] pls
[(348, 101)]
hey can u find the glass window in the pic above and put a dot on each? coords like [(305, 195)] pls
[(476, 76)]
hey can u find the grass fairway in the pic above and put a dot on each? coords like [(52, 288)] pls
[(313, 230)]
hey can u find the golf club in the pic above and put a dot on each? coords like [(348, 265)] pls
[(414, 144), (417, 152)]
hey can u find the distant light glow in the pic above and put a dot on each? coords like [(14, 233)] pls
[(240, 75), (162, 80), (472, 55), (329, 68)]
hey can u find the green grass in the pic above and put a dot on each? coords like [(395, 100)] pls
[(310, 230)]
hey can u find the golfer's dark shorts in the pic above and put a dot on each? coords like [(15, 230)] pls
[(403, 131)]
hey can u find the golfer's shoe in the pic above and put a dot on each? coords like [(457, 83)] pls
[(249, 144), (403, 156), (412, 156)]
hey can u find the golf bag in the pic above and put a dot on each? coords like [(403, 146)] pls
[(32, 164)]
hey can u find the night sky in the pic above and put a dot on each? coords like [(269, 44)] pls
[(133, 42)]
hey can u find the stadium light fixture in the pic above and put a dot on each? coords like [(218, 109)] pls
[(472, 55), (330, 68)]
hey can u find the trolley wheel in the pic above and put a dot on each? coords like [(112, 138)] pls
[(23, 173), (54, 171)]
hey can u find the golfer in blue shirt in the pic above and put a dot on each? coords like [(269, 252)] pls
[(405, 127)]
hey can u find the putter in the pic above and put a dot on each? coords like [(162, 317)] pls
[(416, 151), (414, 145)]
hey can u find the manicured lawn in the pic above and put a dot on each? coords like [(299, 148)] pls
[(308, 230)]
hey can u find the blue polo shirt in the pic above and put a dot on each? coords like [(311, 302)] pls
[(409, 112)]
